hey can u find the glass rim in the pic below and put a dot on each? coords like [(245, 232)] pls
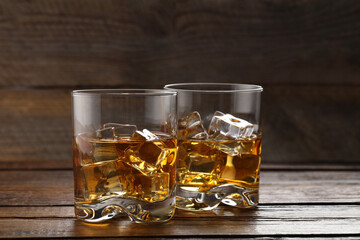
[(124, 92), (242, 87)]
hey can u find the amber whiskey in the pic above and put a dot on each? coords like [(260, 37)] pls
[(123, 172), (206, 165)]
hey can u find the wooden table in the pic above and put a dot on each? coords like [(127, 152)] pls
[(295, 202)]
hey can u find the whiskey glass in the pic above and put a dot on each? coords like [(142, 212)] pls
[(219, 145), (124, 154)]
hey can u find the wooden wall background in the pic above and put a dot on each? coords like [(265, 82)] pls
[(305, 53)]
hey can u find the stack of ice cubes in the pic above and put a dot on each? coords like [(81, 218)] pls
[(101, 151), (222, 127)]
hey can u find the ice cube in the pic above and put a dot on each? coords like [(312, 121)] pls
[(126, 173), (133, 159), (106, 133), (104, 151), (144, 135), (199, 156), (115, 131), (200, 163), (151, 188), (121, 130), (83, 143), (250, 146), (230, 147), (85, 147), (226, 126), (167, 126), (147, 157), (101, 180), (191, 127)]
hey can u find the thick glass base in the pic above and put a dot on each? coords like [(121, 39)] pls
[(229, 194), (137, 210)]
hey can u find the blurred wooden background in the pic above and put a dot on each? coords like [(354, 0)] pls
[(305, 53)]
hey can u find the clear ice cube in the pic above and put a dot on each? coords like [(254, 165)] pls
[(149, 188), (115, 131), (147, 157), (104, 151), (167, 126), (191, 127), (106, 133), (85, 147), (200, 169), (84, 144), (226, 127), (160, 184), (250, 146), (101, 180), (200, 163), (122, 130), (230, 147), (144, 135), (199, 157)]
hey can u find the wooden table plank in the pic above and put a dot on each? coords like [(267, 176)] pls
[(140, 43), (293, 204), (225, 221), (327, 237), (301, 212), (264, 221), (276, 187), (308, 167), (73, 228)]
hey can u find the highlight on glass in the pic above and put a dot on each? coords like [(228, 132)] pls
[(124, 154), (219, 145)]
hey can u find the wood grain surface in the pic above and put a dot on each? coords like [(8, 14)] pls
[(43, 188), (35, 125), (147, 43), (301, 125), (293, 205), (221, 212), (264, 221)]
